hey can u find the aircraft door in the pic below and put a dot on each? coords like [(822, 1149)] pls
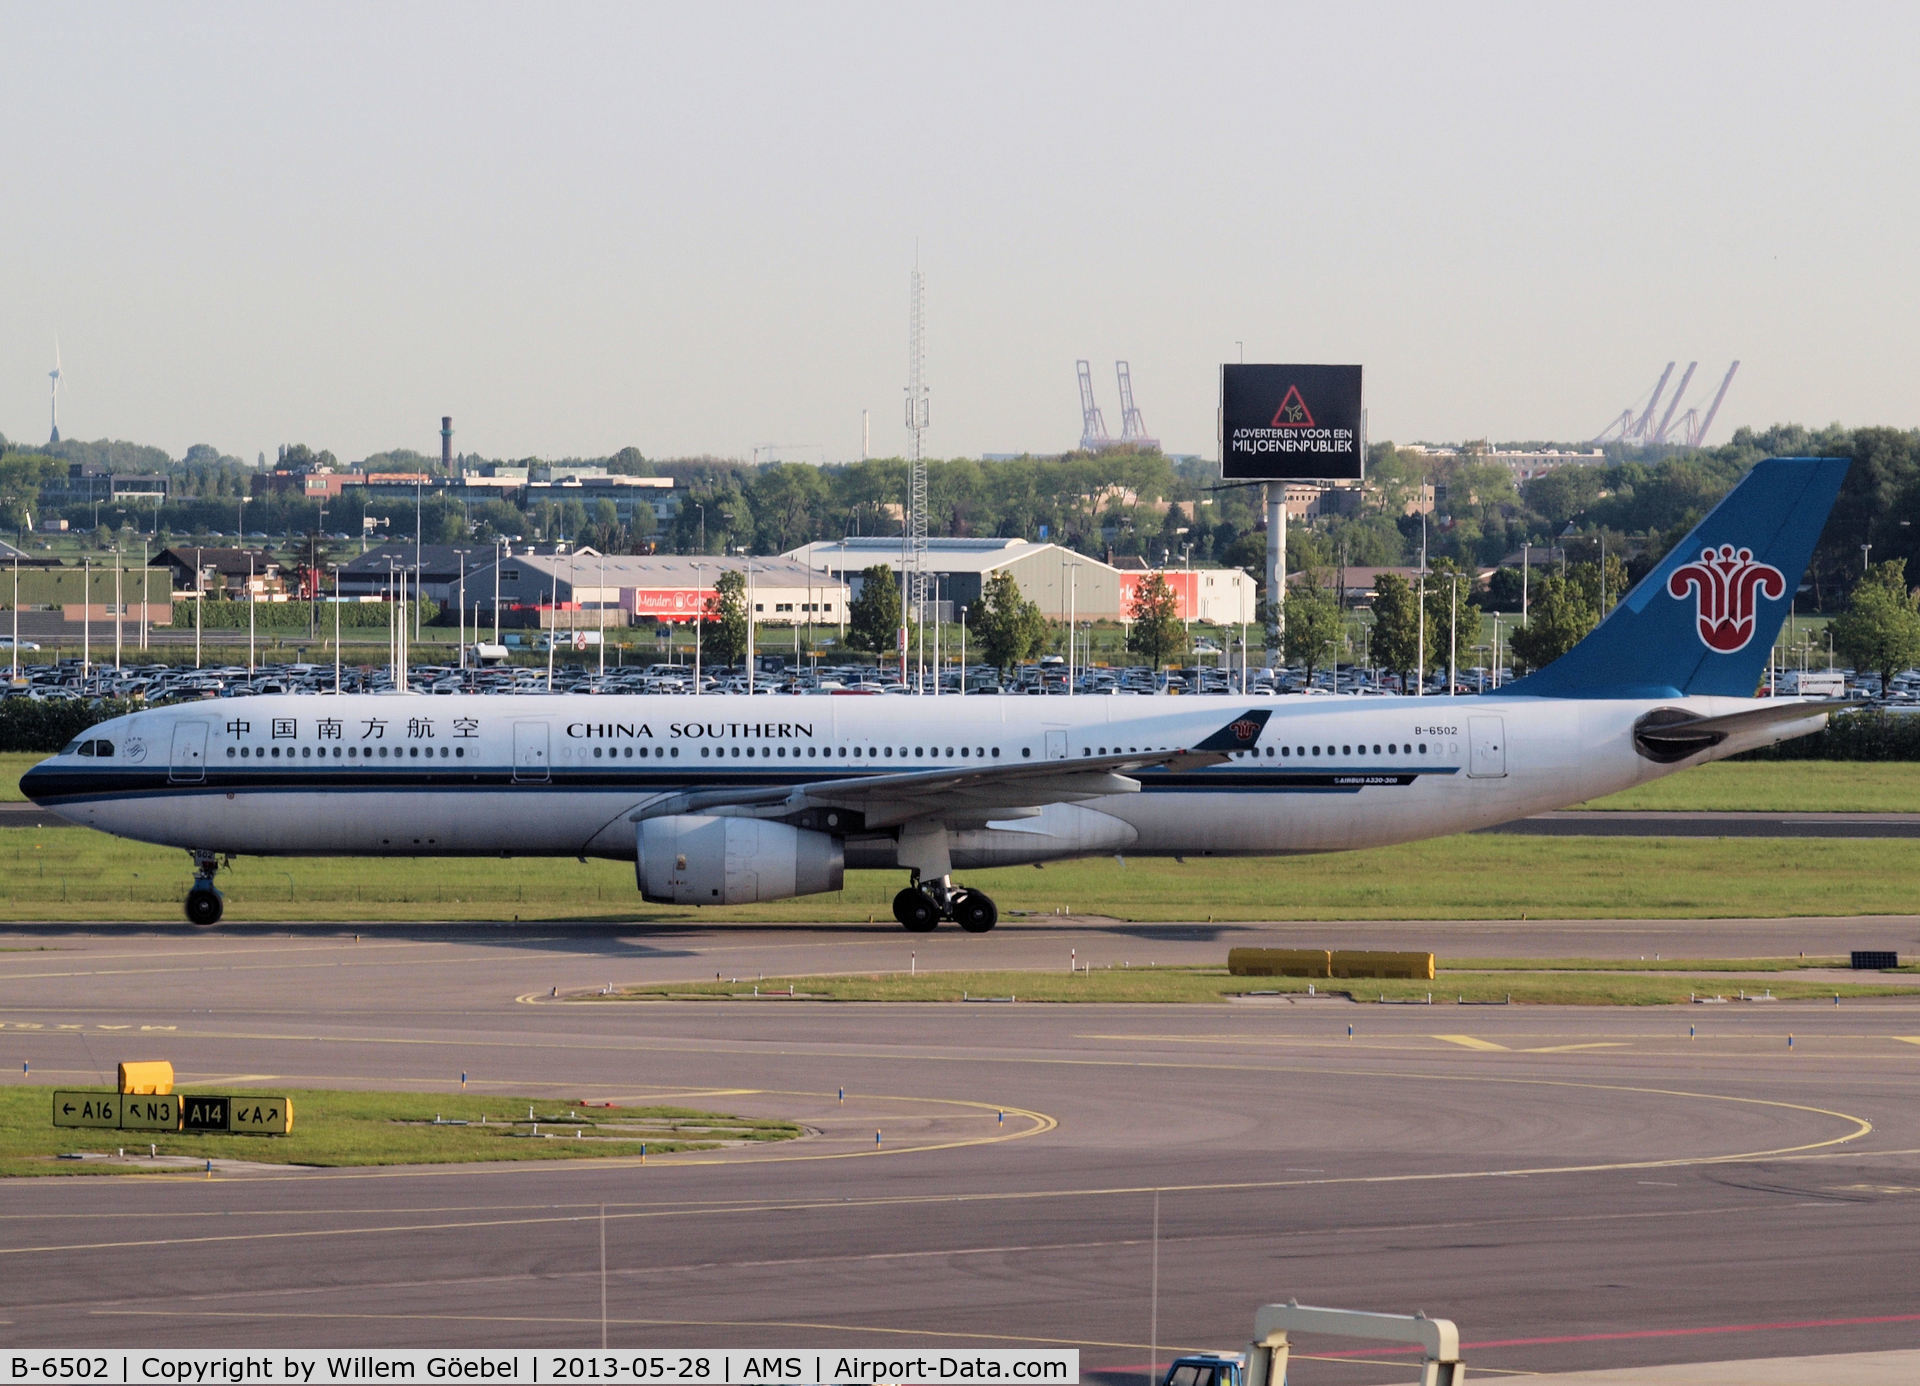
[(1486, 748), (530, 753), (189, 761), (1056, 745)]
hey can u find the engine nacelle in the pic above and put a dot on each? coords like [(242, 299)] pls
[(695, 859)]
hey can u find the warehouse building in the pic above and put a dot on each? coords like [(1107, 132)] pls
[(637, 589), (1057, 580)]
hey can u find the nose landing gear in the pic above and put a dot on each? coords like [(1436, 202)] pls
[(921, 907), (204, 905)]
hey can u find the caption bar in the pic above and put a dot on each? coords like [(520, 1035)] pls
[(509, 1367)]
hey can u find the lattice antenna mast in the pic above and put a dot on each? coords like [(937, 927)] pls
[(53, 382), (1133, 429), (1093, 428), (919, 417)]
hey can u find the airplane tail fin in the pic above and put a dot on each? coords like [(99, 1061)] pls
[(1701, 622)]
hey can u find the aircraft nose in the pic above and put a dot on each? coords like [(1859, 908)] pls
[(37, 783)]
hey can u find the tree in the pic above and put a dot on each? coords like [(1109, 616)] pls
[(1010, 628), (723, 626), (1396, 624), (873, 617), (1561, 612), (1156, 631), (1880, 629), (1315, 623)]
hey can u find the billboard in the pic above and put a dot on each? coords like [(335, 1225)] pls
[(1183, 582), (670, 604), (1286, 423)]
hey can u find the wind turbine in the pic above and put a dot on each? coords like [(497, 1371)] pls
[(53, 377)]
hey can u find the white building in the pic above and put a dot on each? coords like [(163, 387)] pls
[(1057, 580), (655, 587)]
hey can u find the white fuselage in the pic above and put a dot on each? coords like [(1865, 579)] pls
[(409, 775)]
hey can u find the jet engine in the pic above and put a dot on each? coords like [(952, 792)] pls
[(695, 859)]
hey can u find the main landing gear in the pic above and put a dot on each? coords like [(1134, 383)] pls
[(205, 905), (921, 907)]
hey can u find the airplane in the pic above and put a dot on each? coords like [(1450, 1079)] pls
[(729, 799)]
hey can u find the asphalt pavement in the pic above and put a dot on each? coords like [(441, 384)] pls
[(1576, 1188)]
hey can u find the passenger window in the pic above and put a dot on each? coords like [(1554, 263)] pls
[(1423, 748)]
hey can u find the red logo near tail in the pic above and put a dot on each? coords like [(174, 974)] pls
[(1245, 729), (1724, 583)]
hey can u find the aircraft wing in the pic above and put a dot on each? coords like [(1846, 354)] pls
[(886, 798)]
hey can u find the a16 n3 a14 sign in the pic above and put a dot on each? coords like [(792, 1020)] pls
[(1290, 423)]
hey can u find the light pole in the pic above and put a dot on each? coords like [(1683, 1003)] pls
[(419, 479), (86, 618), (1186, 596), (13, 663), (119, 609), (499, 549), (1865, 549), (336, 628), (699, 617), (1073, 620), (461, 614), (963, 650), (199, 581)]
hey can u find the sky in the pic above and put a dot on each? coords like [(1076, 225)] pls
[(691, 228)]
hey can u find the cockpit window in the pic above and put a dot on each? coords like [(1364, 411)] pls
[(103, 747), (72, 748)]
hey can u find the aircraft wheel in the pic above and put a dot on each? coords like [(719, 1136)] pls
[(976, 912), (915, 909), (204, 906)]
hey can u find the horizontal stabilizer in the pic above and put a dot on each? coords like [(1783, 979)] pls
[(1670, 734)]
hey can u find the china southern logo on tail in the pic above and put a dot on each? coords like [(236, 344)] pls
[(1724, 584)]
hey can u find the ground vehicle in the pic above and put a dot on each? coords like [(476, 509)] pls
[(1207, 1369)]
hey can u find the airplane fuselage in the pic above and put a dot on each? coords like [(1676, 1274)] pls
[(410, 775)]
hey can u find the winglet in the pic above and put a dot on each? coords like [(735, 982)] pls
[(1238, 735)]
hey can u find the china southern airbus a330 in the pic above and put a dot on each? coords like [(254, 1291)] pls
[(729, 799)]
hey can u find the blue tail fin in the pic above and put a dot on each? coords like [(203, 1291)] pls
[(1703, 621)]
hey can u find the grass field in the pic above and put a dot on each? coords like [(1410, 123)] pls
[(1780, 786), (14, 764), (77, 874), (384, 1128), (1545, 982)]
